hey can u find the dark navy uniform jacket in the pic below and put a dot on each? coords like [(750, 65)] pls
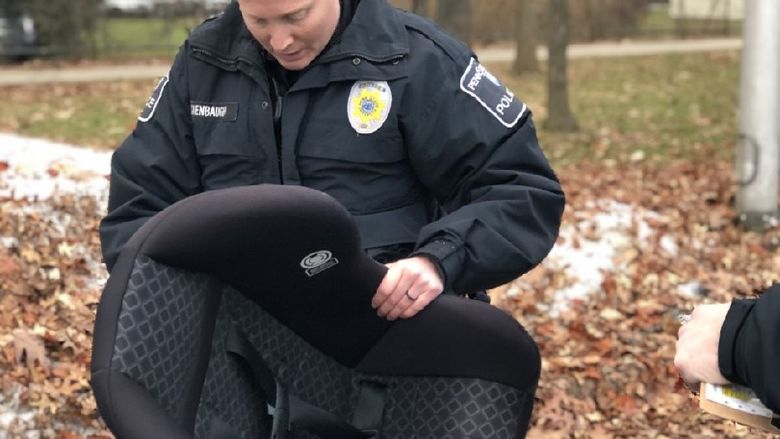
[(749, 346), (396, 120)]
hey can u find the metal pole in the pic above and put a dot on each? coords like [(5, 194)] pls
[(759, 116)]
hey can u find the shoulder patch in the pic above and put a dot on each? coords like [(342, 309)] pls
[(491, 94), (154, 99)]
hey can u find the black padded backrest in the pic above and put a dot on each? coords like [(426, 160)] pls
[(284, 264), (257, 240)]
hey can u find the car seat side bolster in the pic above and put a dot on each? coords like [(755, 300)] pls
[(108, 312), (142, 415)]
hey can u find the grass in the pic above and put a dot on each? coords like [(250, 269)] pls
[(143, 36), (657, 20), (658, 23), (659, 108), (98, 115)]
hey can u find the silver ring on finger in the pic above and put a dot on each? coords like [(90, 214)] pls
[(412, 298)]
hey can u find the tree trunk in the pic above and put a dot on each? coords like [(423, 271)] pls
[(420, 7), (525, 37), (560, 117), (455, 17)]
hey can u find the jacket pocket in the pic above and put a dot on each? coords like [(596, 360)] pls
[(227, 156), (223, 138), (336, 140), (396, 226)]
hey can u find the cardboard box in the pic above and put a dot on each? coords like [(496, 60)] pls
[(738, 404)]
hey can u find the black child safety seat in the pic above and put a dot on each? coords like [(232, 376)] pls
[(245, 313)]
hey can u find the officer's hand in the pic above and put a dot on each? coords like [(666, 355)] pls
[(408, 287), (697, 345)]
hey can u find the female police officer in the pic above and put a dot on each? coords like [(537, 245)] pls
[(436, 160)]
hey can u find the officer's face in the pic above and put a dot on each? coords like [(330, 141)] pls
[(294, 32)]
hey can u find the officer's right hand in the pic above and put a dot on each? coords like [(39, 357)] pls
[(408, 287), (696, 358)]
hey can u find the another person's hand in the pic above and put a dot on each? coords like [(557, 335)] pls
[(408, 287), (697, 345)]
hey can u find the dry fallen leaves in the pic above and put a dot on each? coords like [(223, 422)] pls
[(49, 286), (608, 361), (607, 369)]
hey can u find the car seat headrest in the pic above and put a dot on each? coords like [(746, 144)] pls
[(269, 240)]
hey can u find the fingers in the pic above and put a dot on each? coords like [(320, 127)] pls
[(681, 363), (418, 305), (402, 295), (408, 287), (392, 289), (682, 358), (386, 288), (696, 356), (411, 303)]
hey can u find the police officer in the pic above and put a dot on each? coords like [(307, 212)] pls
[(437, 161)]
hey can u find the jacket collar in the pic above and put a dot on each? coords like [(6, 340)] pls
[(375, 33), (226, 39)]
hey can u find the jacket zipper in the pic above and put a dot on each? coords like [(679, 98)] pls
[(278, 103)]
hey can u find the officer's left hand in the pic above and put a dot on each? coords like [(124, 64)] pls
[(408, 287), (697, 345)]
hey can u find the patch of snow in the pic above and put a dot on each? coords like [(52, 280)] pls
[(669, 245), (38, 169), (13, 417), (690, 290), (584, 260), (19, 422)]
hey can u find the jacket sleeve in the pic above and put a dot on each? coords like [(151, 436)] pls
[(749, 346), (155, 166), (503, 201)]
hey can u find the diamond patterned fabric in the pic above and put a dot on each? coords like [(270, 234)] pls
[(160, 317), (228, 392), (416, 407)]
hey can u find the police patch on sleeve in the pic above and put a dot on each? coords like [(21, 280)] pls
[(369, 105), (491, 94), (154, 99)]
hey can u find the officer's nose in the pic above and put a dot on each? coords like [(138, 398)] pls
[(280, 40)]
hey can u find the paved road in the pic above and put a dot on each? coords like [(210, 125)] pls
[(12, 76)]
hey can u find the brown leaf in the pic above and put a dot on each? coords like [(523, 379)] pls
[(9, 267), (29, 347), (626, 404)]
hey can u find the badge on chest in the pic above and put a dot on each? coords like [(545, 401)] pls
[(369, 105)]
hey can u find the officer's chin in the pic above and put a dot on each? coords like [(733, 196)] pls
[(295, 64)]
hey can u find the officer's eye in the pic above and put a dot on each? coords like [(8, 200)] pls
[(297, 16)]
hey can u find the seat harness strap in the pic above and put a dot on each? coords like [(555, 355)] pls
[(289, 411), (370, 408)]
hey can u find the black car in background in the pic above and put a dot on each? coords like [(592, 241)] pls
[(18, 38)]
